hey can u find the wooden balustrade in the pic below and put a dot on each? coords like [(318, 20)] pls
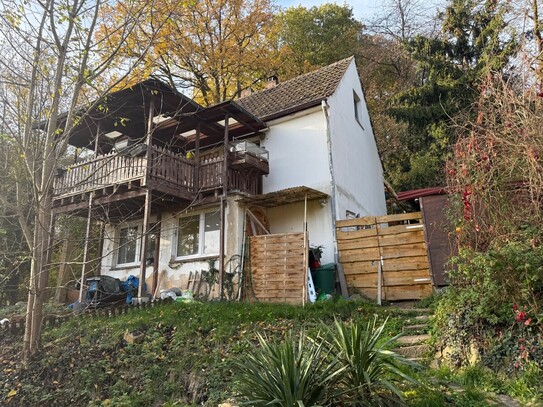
[(211, 173), (98, 172), (169, 167), (164, 167)]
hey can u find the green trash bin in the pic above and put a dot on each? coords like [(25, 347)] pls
[(325, 278)]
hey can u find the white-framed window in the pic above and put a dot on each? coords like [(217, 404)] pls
[(129, 243), (198, 235)]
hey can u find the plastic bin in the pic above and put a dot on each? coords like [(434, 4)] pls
[(325, 278)]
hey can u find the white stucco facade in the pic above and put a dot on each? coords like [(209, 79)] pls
[(298, 152), (329, 147), (173, 270), (357, 169)]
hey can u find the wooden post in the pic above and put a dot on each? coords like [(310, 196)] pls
[(380, 281), (306, 276), (148, 198), (223, 203), (89, 224), (197, 159), (381, 264), (86, 247), (156, 254), (101, 247), (143, 241)]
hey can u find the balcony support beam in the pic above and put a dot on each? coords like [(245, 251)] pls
[(86, 249), (223, 204), (143, 244), (197, 158), (148, 200)]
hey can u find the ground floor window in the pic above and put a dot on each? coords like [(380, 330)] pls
[(129, 242), (198, 235)]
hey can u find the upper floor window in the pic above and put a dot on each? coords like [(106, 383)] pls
[(198, 235), (357, 103)]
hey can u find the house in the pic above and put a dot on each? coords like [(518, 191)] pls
[(300, 149)]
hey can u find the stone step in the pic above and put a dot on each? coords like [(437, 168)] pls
[(416, 327), (413, 339), (413, 310), (413, 352)]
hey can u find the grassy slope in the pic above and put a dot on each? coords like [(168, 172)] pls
[(185, 358)]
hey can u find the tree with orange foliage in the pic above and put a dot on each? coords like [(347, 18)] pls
[(214, 47)]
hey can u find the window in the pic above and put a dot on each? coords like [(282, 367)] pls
[(128, 249), (198, 235), (128, 245), (189, 236), (357, 108)]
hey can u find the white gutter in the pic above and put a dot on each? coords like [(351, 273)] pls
[(333, 199)]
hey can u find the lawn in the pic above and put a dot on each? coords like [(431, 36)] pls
[(186, 357)]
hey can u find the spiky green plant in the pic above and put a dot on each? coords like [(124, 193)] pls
[(370, 371), (289, 373)]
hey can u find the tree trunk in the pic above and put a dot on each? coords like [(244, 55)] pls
[(65, 269)]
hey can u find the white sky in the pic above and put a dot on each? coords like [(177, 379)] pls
[(362, 9)]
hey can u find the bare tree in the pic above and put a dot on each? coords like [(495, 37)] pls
[(51, 64), (404, 19)]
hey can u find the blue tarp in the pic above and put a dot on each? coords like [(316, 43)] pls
[(130, 286)]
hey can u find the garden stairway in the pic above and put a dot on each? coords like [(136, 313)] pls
[(414, 342)]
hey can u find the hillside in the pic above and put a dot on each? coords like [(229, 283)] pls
[(184, 359)]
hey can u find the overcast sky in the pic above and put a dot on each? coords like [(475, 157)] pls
[(362, 9)]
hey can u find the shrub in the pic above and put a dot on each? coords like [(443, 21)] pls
[(285, 374), (494, 303), (347, 365), (370, 371)]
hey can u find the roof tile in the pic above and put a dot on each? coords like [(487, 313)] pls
[(297, 93)]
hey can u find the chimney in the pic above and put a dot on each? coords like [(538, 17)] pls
[(272, 82), (246, 92)]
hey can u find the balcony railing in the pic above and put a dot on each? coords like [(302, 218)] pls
[(98, 172), (165, 168)]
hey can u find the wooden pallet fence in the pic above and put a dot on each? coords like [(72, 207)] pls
[(278, 267), (396, 239)]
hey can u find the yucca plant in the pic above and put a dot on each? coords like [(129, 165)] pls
[(370, 371), (290, 373)]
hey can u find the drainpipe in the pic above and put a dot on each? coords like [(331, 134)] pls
[(333, 199)]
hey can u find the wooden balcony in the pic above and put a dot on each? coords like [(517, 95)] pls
[(172, 178)]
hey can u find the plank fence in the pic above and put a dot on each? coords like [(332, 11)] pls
[(278, 268), (17, 324), (397, 243)]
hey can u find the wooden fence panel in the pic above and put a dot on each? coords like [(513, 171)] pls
[(362, 243), (278, 267)]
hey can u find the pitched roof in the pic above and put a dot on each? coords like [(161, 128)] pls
[(296, 94)]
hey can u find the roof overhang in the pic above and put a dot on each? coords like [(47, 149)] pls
[(284, 197), (176, 118), (211, 123), (419, 193)]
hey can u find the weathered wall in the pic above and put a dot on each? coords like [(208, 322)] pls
[(174, 272), (298, 152), (289, 219)]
